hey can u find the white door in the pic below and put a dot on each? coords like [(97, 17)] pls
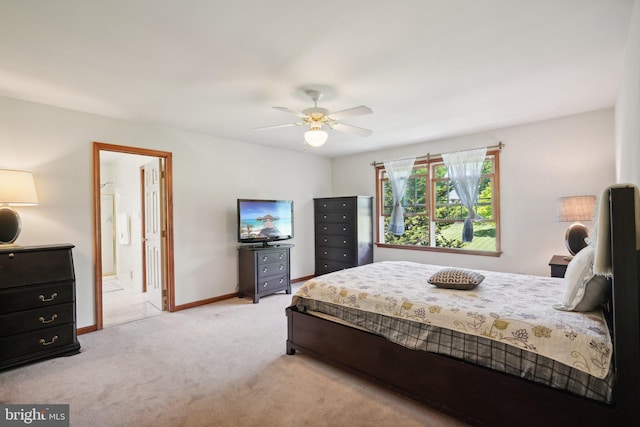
[(108, 227), (153, 232)]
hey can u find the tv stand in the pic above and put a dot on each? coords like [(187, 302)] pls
[(264, 270)]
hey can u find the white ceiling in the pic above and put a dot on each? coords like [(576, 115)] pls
[(428, 68)]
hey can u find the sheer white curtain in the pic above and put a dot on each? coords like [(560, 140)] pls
[(399, 172), (464, 168)]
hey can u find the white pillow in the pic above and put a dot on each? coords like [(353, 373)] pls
[(584, 290)]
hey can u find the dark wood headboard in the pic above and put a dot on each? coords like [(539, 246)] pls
[(626, 304)]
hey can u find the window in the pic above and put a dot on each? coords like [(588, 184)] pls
[(433, 213)]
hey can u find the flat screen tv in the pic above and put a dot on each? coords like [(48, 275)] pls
[(264, 221)]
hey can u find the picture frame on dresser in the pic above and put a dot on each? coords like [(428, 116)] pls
[(37, 304)]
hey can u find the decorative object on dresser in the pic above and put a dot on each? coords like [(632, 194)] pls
[(264, 270), (16, 189), (344, 232), (558, 265), (37, 304), (575, 209)]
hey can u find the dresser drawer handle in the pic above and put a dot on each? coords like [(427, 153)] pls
[(43, 320), (264, 270), (264, 258), (281, 267), (282, 280), (43, 342), (11, 255), (265, 284), (53, 296), (281, 255)]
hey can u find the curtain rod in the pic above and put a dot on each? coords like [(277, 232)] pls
[(429, 155)]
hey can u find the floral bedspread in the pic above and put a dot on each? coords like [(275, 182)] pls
[(515, 309)]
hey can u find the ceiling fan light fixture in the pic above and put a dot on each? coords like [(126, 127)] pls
[(315, 136), (316, 117)]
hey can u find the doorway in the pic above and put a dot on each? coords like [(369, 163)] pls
[(118, 229)]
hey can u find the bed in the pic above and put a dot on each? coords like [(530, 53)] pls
[(601, 384)]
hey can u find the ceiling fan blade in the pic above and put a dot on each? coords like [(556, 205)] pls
[(351, 129), (350, 112), (279, 126), (290, 111)]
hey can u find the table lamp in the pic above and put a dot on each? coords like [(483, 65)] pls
[(16, 189), (575, 209)]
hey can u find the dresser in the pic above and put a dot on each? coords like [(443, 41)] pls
[(343, 233), (264, 270), (37, 304), (559, 264)]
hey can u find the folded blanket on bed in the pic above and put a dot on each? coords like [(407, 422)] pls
[(602, 262)]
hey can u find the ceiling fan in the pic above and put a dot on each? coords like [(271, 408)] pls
[(317, 117)]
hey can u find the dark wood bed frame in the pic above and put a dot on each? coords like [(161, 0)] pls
[(478, 395)]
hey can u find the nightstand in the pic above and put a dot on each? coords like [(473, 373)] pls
[(558, 265)]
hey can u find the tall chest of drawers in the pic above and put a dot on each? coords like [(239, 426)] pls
[(264, 271), (37, 304), (343, 233)]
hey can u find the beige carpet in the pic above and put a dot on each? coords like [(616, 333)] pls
[(223, 364)]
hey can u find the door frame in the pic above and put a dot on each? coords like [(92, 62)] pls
[(167, 194)]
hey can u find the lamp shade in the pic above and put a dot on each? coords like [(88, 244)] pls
[(17, 188), (315, 137), (576, 208)]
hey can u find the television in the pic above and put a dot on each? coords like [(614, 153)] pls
[(264, 221)]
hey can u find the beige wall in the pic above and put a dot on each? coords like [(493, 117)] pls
[(628, 107), (541, 162), (209, 175)]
